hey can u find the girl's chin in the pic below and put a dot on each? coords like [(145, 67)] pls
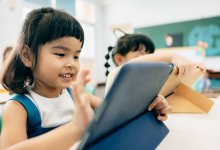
[(68, 85)]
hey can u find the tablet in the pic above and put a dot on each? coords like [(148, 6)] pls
[(135, 87)]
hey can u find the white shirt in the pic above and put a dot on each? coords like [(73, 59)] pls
[(53, 111)]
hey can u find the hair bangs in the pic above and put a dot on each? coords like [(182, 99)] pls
[(56, 26), (139, 40)]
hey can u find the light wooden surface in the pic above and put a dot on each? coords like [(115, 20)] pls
[(193, 131)]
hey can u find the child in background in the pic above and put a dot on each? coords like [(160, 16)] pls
[(129, 46), (42, 114), (4, 95), (7, 52), (134, 47)]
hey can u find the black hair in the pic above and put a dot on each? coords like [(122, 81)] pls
[(128, 43), (41, 26)]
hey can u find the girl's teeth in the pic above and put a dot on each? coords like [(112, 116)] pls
[(67, 75)]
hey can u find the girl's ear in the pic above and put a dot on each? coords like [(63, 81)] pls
[(118, 59), (26, 56)]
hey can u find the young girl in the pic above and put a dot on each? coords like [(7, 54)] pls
[(42, 114)]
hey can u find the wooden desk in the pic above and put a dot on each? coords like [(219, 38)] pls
[(193, 131)]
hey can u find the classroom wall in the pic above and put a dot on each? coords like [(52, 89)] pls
[(68, 5), (100, 48), (188, 33), (144, 13), (10, 25), (11, 16), (137, 13)]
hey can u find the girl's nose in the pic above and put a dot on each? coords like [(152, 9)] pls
[(68, 65), (71, 63)]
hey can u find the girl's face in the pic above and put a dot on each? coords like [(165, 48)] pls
[(130, 55), (134, 54), (57, 66)]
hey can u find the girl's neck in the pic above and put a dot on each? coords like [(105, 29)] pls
[(49, 93)]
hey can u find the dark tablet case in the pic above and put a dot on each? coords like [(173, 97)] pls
[(122, 122)]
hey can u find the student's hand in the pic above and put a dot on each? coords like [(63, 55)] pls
[(161, 106), (83, 112), (185, 66)]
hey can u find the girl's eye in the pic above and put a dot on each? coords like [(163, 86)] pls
[(60, 54), (76, 57)]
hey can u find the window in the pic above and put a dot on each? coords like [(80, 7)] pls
[(85, 13)]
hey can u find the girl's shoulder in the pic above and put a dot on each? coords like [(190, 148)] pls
[(13, 108), (15, 102), (14, 118)]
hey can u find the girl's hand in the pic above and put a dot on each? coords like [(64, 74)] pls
[(83, 112), (185, 66), (161, 106)]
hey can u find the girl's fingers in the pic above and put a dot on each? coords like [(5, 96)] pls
[(201, 66), (163, 113), (162, 107), (180, 71), (79, 93), (152, 105), (82, 77), (156, 102), (187, 68), (165, 110), (76, 95), (80, 97), (82, 80), (162, 118), (184, 70), (87, 81)]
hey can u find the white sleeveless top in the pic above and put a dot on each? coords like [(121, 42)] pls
[(53, 111)]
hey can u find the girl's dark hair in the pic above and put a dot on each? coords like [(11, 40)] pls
[(128, 43), (41, 26)]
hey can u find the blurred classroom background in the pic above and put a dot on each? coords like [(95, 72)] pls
[(189, 27)]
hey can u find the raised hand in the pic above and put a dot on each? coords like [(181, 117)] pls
[(185, 66), (83, 112)]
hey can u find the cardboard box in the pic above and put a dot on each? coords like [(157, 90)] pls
[(180, 95)]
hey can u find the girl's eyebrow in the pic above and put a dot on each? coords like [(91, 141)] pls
[(64, 48)]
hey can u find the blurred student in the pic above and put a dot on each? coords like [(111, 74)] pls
[(128, 47), (7, 52), (6, 55), (139, 47)]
